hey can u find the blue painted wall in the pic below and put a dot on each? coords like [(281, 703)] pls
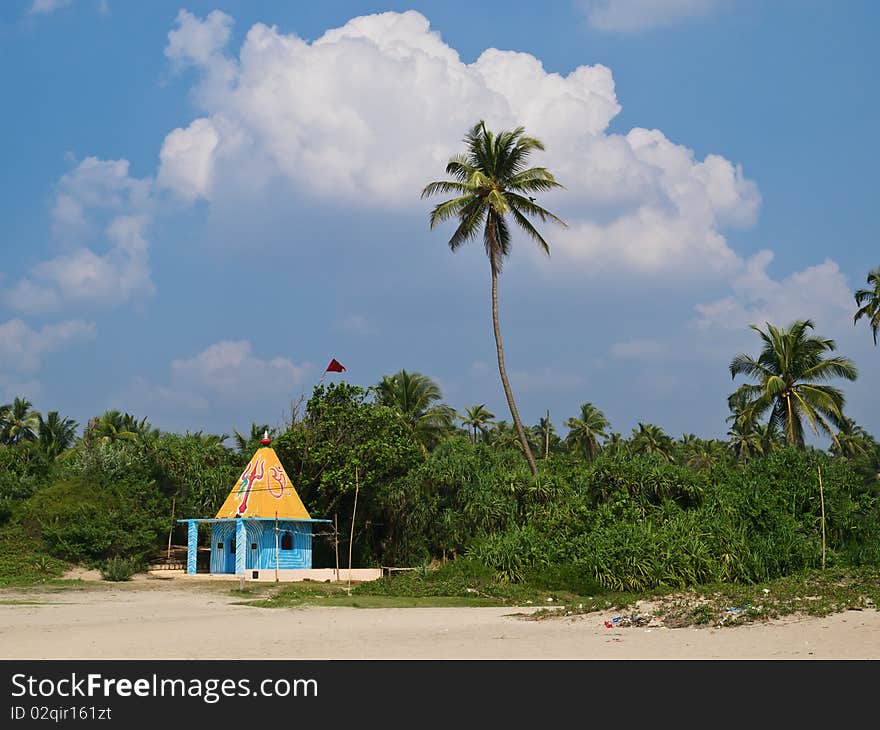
[(192, 547), (261, 534)]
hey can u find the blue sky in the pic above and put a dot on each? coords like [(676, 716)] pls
[(204, 202)]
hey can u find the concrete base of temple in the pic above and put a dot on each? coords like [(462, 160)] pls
[(317, 575)]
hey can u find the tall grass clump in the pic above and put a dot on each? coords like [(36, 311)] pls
[(120, 569), (642, 523)]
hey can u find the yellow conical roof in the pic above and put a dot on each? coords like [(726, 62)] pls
[(264, 490)]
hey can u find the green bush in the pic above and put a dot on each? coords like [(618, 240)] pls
[(510, 554), (23, 558), (120, 569), (86, 522), (637, 524)]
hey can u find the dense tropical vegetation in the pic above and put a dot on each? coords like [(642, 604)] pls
[(604, 510)]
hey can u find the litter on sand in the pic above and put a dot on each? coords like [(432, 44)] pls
[(637, 619)]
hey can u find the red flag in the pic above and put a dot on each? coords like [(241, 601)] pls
[(335, 366)]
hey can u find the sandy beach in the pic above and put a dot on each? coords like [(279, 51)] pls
[(166, 619)]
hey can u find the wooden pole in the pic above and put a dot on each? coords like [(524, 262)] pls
[(822, 500), (276, 546), (336, 544), (351, 539), (547, 435), (171, 531)]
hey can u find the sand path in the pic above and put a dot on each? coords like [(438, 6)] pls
[(154, 620)]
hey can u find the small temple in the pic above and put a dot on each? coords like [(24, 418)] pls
[(262, 525)]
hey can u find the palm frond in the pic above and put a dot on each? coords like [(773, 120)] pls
[(833, 367), (471, 219), (527, 226), (444, 186), (450, 208), (527, 206), (744, 364), (460, 167)]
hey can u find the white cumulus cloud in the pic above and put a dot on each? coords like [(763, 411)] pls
[(196, 41), (22, 347), (226, 379), (228, 372), (98, 199), (371, 111), (187, 160), (229, 369), (817, 292)]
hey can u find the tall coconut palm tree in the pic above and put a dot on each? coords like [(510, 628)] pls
[(869, 303), (479, 419), (413, 396), (20, 422), (790, 371), (492, 183), (56, 434), (584, 432), (651, 439)]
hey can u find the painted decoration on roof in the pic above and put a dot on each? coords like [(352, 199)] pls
[(264, 490)]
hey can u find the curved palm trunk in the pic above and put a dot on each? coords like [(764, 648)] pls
[(504, 381)]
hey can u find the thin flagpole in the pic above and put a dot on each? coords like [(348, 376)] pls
[(351, 538), (822, 499)]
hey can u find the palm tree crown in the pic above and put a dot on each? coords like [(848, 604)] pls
[(56, 433), (246, 444), (649, 438), (869, 303), (584, 432), (790, 370), (113, 425), (413, 396), (745, 439), (491, 183), (19, 422), (852, 440), (479, 419)]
